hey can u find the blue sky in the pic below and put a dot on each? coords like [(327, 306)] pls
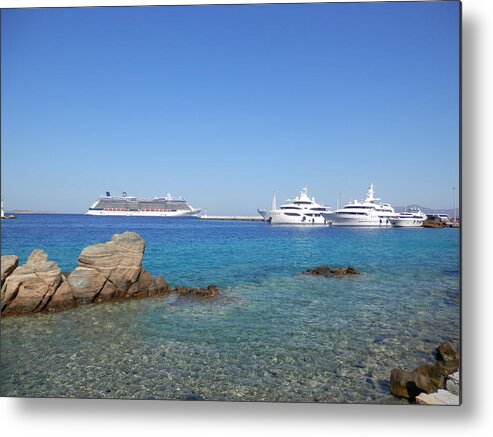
[(224, 104)]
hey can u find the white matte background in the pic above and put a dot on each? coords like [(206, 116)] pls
[(74, 418)]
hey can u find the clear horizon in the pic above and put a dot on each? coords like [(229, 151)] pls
[(223, 105)]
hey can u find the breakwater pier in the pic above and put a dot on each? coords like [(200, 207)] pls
[(236, 217)]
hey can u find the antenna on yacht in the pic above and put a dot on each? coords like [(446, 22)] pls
[(369, 194), (274, 204)]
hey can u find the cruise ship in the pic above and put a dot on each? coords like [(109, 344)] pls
[(301, 210), (165, 206), (368, 212)]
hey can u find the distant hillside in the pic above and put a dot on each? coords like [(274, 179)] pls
[(25, 211)]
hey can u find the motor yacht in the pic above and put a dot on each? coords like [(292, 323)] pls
[(302, 210), (369, 212), (413, 218)]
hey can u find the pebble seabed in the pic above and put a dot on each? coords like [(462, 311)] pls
[(271, 335)]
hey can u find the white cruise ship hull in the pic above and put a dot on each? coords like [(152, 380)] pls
[(357, 220), (182, 213), (279, 217)]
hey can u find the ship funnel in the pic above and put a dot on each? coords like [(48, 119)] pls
[(274, 203), (108, 194)]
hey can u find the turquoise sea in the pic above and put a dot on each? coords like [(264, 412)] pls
[(272, 334)]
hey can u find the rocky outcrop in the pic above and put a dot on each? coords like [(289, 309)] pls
[(105, 272), (331, 272), (428, 378), (31, 286)]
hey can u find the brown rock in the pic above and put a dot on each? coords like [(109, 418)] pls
[(119, 260), (86, 283), (107, 292), (37, 256), (210, 291), (8, 265), (402, 384), (183, 290), (450, 366), (331, 272), (162, 286), (62, 299), (152, 290), (109, 270), (141, 287), (30, 287), (104, 272), (447, 352), (430, 377), (133, 290)]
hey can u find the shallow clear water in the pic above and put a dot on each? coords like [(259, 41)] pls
[(272, 335)]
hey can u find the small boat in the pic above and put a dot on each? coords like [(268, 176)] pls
[(413, 218), (301, 210), (433, 221)]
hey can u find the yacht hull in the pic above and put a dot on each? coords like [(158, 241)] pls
[(407, 223), (278, 217), (363, 221)]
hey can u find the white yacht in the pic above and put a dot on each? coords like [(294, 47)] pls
[(413, 218), (368, 212), (301, 210)]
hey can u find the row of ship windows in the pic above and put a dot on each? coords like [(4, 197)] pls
[(351, 213), (295, 214), (129, 210), (311, 209), (366, 207)]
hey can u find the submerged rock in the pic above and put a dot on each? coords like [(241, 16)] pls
[(209, 291), (331, 272)]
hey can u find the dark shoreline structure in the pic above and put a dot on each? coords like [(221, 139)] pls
[(105, 272)]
